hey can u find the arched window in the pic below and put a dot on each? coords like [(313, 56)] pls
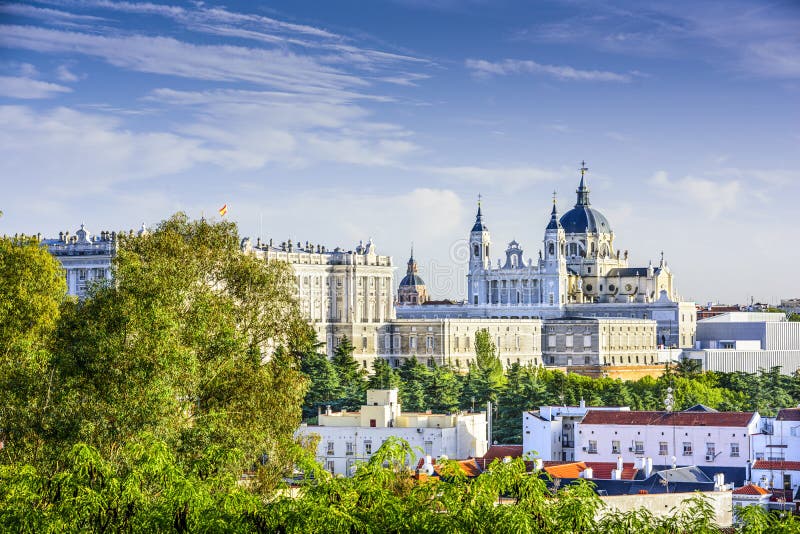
[(551, 248), (476, 251)]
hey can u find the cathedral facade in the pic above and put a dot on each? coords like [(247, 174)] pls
[(577, 264)]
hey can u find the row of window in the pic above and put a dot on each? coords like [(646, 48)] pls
[(350, 448), (663, 448)]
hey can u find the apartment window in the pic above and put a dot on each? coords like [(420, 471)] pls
[(687, 448), (663, 448), (367, 447), (615, 448), (329, 452), (592, 446), (364, 343), (412, 342), (711, 450), (734, 449), (373, 423), (329, 466), (429, 343), (387, 342), (81, 274), (638, 447), (349, 448), (429, 447)]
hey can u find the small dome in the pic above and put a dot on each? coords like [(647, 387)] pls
[(412, 280)]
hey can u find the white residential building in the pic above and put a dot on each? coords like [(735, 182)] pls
[(549, 433), (699, 436), (346, 438), (777, 452)]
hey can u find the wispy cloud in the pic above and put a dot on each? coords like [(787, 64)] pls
[(46, 14), (166, 55), (66, 75), (507, 178), (708, 196), (484, 68), (27, 88)]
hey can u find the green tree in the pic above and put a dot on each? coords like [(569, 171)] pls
[(413, 387), (443, 390), (32, 289), (194, 343), (324, 387), (351, 376), (383, 376)]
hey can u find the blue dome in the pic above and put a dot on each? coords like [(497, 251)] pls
[(583, 219), (412, 280)]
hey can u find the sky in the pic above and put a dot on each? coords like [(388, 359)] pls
[(334, 122)]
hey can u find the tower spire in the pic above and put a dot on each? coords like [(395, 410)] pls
[(583, 191), (554, 222), (479, 226)]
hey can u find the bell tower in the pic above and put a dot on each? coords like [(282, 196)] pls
[(479, 242), (553, 265)]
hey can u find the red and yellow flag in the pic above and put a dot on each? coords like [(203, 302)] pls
[(223, 210)]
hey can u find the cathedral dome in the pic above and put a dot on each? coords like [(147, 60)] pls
[(583, 219), (412, 280)]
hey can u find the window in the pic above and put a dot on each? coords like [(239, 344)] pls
[(373, 423), (329, 466), (734, 449), (551, 340), (412, 342), (592, 446), (569, 341), (367, 447), (81, 274), (638, 447), (711, 450), (687, 448), (329, 452), (349, 448), (364, 343), (387, 342), (663, 448), (429, 343), (429, 447), (615, 448)]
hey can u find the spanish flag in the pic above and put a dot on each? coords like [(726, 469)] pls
[(223, 210)]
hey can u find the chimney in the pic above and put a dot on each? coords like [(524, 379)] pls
[(588, 473), (648, 467), (328, 409), (619, 464), (427, 467), (616, 474), (583, 403), (538, 464)]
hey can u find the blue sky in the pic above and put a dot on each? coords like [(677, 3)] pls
[(338, 121)]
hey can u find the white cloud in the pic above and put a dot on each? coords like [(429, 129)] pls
[(66, 75), (711, 197), (26, 88), (67, 153), (164, 55), (508, 179), (484, 68), (50, 15)]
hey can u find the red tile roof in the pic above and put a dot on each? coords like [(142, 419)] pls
[(750, 489), (727, 419), (788, 414), (468, 467), (600, 470), (499, 451), (777, 465)]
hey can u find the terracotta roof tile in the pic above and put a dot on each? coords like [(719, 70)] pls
[(750, 489), (788, 414), (727, 419), (777, 465), (470, 467), (571, 470), (600, 470)]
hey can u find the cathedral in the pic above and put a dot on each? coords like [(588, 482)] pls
[(577, 264)]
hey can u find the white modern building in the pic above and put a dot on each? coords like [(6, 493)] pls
[(777, 452), (549, 433), (747, 341), (696, 437), (346, 438)]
